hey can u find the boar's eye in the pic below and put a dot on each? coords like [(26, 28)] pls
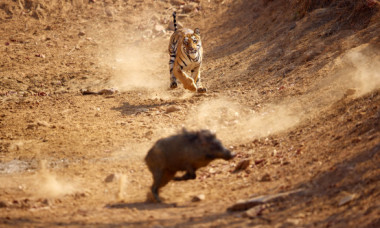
[(216, 146), (210, 156)]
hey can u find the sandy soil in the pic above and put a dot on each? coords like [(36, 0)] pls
[(293, 86)]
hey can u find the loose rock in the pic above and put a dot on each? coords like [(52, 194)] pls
[(188, 8), (109, 178), (43, 124), (198, 198), (266, 177), (177, 2), (254, 212), (242, 205), (3, 204), (159, 28), (172, 109), (346, 199), (242, 165)]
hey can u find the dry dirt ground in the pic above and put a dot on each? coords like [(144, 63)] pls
[(293, 86)]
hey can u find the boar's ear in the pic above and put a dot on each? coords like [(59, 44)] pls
[(184, 131), (190, 136), (203, 137)]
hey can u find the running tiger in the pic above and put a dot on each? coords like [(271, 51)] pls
[(186, 53)]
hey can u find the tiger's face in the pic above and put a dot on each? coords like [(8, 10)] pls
[(192, 43)]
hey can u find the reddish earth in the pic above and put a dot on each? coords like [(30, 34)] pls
[(293, 86)]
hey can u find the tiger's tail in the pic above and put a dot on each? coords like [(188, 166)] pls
[(175, 21)]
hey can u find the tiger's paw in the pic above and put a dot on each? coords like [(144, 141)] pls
[(201, 90), (190, 85), (173, 85)]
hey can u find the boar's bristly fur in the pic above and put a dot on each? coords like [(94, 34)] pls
[(187, 151)]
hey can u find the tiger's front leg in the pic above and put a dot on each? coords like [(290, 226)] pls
[(188, 82), (196, 75)]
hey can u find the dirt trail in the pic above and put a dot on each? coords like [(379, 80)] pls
[(293, 86)]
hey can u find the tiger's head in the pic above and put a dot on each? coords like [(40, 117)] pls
[(192, 43)]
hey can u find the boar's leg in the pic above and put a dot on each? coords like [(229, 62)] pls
[(190, 174), (160, 179), (157, 175)]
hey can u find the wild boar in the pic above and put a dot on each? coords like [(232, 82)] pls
[(187, 151)]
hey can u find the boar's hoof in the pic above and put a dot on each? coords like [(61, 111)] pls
[(150, 198)]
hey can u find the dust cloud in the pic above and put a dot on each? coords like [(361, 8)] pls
[(48, 184), (144, 69), (360, 69), (138, 67), (233, 122), (354, 74), (120, 195)]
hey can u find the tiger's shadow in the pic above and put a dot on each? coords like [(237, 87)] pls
[(128, 109)]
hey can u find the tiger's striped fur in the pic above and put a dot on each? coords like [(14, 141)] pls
[(186, 53)]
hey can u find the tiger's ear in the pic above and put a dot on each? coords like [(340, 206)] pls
[(197, 31), (186, 40)]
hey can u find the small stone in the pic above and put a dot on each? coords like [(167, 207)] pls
[(109, 178), (285, 162), (188, 8), (46, 202), (43, 124), (148, 133), (242, 165), (346, 199), (40, 55), (265, 177), (349, 92), (259, 161), (172, 109), (198, 198), (3, 204), (177, 2), (159, 28), (254, 211), (107, 91), (108, 11), (31, 126), (243, 205)]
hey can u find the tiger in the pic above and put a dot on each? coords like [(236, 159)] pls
[(186, 54)]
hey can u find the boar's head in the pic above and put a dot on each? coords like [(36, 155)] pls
[(212, 146)]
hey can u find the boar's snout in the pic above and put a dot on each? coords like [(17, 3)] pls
[(229, 155)]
